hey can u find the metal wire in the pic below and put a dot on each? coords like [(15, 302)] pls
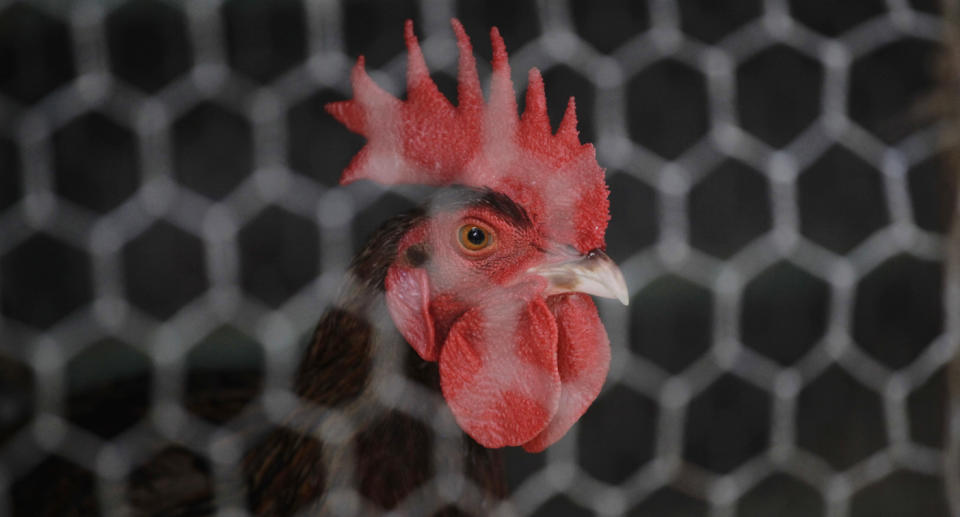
[(216, 223)]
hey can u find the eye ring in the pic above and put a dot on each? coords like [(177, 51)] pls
[(474, 237)]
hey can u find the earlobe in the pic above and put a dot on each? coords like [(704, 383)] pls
[(408, 300)]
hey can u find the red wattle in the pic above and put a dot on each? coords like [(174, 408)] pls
[(499, 372), (583, 353)]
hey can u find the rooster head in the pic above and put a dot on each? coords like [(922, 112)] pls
[(494, 283)]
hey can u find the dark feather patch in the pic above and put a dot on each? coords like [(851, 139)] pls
[(459, 197), (417, 255)]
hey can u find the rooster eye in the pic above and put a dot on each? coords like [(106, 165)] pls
[(473, 237)]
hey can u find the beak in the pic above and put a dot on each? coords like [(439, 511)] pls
[(593, 273)]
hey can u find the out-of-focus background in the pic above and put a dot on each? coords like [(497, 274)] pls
[(781, 197)]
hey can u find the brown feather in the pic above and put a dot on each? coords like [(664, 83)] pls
[(393, 454)]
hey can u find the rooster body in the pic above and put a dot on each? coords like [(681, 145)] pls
[(464, 326)]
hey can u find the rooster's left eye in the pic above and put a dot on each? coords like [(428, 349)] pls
[(473, 237)]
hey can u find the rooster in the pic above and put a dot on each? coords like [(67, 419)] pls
[(475, 306)]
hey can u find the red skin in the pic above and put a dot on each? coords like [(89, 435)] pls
[(516, 367)]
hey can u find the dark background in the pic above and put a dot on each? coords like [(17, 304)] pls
[(169, 212)]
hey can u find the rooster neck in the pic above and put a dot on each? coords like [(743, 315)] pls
[(357, 333)]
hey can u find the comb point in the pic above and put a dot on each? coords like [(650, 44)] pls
[(568, 125), (416, 65), (500, 61), (535, 112), (348, 114), (366, 92), (469, 93), (358, 71), (503, 100), (420, 87)]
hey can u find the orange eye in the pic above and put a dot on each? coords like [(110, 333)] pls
[(474, 237)]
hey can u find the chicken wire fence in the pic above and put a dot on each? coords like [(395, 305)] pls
[(170, 221)]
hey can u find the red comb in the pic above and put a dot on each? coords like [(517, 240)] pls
[(426, 140)]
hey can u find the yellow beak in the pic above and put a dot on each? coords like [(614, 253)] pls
[(593, 273)]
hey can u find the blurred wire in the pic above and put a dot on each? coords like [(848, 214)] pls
[(169, 209)]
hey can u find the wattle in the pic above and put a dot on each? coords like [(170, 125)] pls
[(523, 371)]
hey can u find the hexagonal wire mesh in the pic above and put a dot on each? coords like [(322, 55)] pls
[(170, 223)]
